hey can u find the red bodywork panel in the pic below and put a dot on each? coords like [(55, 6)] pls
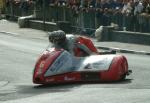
[(88, 43), (116, 71)]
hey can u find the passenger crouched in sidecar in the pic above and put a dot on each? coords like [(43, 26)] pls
[(76, 45)]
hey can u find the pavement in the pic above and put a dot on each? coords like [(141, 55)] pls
[(12, 28)]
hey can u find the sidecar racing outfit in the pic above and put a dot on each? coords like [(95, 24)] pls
[(69, 60)]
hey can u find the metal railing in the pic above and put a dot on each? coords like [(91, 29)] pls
[(84, 19)]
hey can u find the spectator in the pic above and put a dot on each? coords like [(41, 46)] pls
[(148, 9), (24, 7), (92, 3), (138, 7), (117, 4), (145, 3), (106, 17), (127, 12), (99, 13), (61, 2), (127, 8), (144, 17), (104, 4), (85, 3), (98, 4)]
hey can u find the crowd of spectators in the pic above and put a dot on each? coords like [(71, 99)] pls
[(24, 5), (105, 10), (127, 7), (108, 11), (124, 6), (134, 13)]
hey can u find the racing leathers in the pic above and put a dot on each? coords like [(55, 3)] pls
[(78, 45)]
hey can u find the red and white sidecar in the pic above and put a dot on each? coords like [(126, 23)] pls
[(59, 66)]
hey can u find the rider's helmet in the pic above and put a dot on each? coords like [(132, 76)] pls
[(57, 37)]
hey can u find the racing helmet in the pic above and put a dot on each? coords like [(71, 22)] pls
[(57, 37)]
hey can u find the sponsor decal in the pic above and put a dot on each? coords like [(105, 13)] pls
[(88, 66), (40, 69), (62, 64), (96, 62), (69, 78), (50, 80), (63, 59)]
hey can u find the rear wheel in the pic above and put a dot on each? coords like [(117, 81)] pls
[(124, 66)]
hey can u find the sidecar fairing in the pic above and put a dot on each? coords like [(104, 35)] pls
[(59, 66)]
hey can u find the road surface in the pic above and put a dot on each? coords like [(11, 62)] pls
[(17, 59)]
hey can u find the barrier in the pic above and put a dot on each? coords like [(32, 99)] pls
[(90, 18)]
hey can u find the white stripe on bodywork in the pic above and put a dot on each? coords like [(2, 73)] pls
[(96, 62), (62, 64), (68, 63)]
